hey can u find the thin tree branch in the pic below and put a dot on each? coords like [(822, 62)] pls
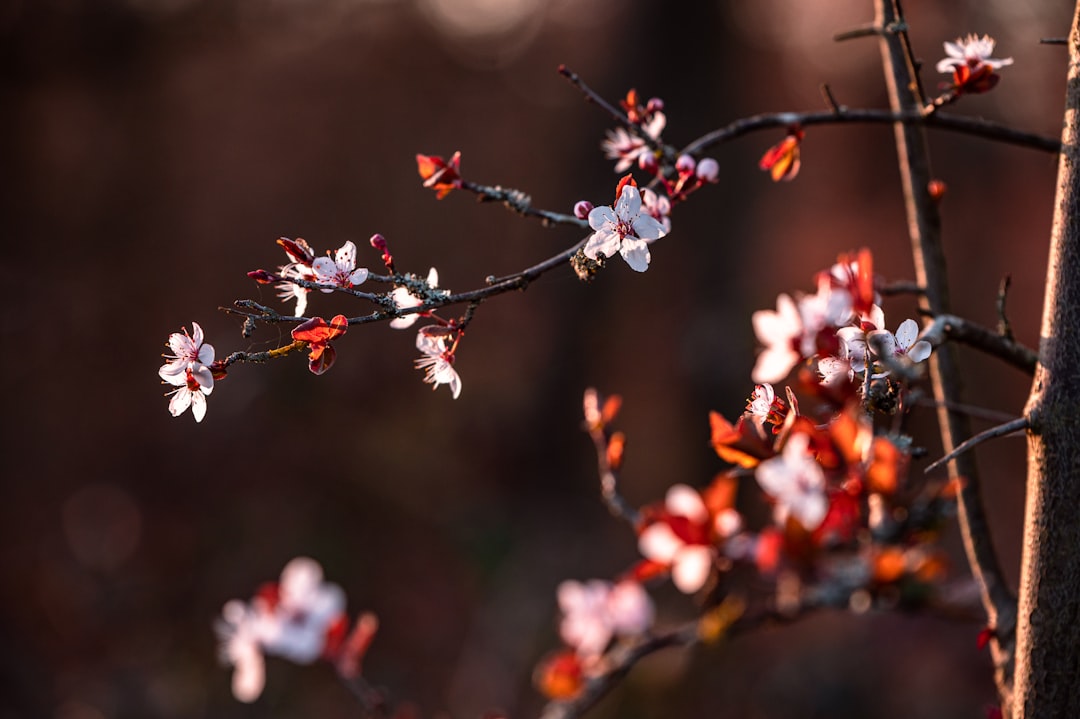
[(938, 120), (519, 202), (999, 431), (924, 229), (944, 327)]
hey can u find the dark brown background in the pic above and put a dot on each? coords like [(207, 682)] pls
[(154, 149)]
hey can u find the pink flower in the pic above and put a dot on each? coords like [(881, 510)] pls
[(628, 148), (779, 330), (191, 394), (905, 344), (340, 271), (970, 63), (623, 229), (188, 370), (596, 611), (403, 298), (437, 345), (796, 482), (681, 537), (297, 618)]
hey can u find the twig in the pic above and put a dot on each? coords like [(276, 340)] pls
[(618, 115), (830, 99), (597, 427), (944, 327), (999, 431), (1004, 327)]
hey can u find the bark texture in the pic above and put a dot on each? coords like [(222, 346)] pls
[(1048, 639)]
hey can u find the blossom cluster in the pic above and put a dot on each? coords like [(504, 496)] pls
[(839, 332), (848, 525), (189, 370), (300, 618)]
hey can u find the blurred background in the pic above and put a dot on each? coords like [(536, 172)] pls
[(153, 150)]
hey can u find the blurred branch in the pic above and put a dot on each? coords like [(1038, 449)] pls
[(944, 327), (1000, 430), (924, 227)]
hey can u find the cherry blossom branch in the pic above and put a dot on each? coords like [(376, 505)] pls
[(1000, 430), (520, 202), (619, 116), (944, 327), (924, 226), (840, 115), (253, 311)]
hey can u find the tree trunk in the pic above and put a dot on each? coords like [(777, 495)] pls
[(1048, 639)]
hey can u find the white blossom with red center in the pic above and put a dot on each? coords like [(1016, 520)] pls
[(294, 618), (796, 483), (627, 148), (437, 345), (596, 611), (904, 345), (971, 51), (623, 229), (682, 537), (188, 370), (340, 271)]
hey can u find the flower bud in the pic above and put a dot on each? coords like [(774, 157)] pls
[(647, 162), (685, 165), (582, 209), (654, 104), (263, 277), (708, 170), (378, 242)]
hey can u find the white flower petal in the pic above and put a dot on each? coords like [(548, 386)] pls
[(685, 501), (345, 257), (198, 405), (648, 227), (604, 242), (601, 217), (629, 205), (358, 277), (659, 543), (692, 568), (906, 334), (249, 674), (919, 351), (636, 254), (180, 401), (629, 607)]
